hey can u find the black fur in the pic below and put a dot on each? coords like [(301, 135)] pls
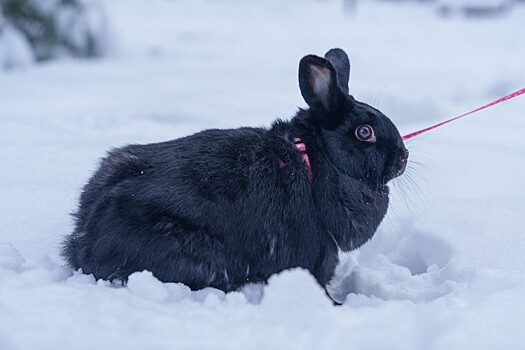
[(223, 208)]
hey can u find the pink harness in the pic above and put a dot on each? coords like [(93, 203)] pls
[(299, 144), (301, 147)]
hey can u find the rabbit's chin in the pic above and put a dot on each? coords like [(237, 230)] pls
[(384, 189)]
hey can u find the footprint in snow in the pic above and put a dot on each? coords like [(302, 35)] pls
[(402, 264)]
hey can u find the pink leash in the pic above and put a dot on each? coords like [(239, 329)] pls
[(301, 147), (503, 99)]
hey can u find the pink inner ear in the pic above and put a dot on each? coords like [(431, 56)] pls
[(320, 80)]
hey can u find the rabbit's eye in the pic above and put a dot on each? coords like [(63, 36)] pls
[(365, 133)]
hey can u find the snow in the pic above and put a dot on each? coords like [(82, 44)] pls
[(445, 269)]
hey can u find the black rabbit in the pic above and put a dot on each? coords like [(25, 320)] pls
[(224, 208)]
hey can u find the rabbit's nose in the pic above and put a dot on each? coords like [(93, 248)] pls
[(404, 156)]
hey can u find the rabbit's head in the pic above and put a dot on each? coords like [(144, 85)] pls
[(360, 140)]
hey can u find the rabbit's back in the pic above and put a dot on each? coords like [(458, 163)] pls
[(212, 209)]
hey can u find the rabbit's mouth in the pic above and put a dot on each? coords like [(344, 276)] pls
[(401, 170), (395, 171), (398, 168)]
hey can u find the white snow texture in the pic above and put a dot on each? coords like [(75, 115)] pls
[(446, 269)]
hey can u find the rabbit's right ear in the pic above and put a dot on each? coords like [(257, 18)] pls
[(339, 59), (318, 83)]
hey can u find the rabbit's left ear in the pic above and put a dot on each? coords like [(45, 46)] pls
[(318, 83)]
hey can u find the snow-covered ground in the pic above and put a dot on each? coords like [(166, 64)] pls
[(446, 269)]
